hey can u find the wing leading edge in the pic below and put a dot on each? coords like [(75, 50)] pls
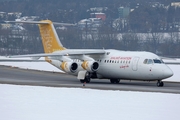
[(70, 52)]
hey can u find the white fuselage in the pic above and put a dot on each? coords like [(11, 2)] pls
[(130, 65), (115, 64)]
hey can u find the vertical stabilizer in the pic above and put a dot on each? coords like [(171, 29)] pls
[(49, 37)]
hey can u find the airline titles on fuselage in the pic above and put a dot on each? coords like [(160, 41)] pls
[(121, 58)]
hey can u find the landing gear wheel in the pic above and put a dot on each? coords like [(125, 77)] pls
[(87, 80), (117, 81), (114, 81), (87, 77), (82, 81), (160, 83)]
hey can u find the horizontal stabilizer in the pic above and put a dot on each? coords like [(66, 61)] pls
[(41, 22), (31, 22)]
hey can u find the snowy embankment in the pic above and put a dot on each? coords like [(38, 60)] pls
[(48, 103)]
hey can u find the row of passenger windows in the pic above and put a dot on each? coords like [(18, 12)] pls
[(116, 61), (146, 61), (151, 61)]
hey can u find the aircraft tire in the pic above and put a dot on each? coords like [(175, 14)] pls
[(160, 83), (114, 81), (117, 81), (87, 80), (82, 81)]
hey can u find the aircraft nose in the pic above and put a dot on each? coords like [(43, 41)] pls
[(168, 73)]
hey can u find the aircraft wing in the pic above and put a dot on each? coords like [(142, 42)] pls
[(70, 52), (20, 60)]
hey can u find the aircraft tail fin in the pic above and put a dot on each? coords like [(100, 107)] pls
[(48, 33), (49, 37)]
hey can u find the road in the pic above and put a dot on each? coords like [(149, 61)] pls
[(10, 75)]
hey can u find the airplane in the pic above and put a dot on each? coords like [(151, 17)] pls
[(88, 64)]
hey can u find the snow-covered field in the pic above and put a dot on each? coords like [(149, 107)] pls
[(49, 103)]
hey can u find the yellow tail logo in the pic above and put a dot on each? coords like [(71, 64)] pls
[(49, 37)]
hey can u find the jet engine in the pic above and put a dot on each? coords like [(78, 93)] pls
[(69, 66), (90, 66)]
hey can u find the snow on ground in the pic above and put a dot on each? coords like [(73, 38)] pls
[(48, 103), (176, 76), (42, 66)]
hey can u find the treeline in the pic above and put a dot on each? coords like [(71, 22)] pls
[(147, 28), (159, 19), (29, 41)]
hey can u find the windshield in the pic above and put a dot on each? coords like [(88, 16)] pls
[(151, 61), (157, 61)]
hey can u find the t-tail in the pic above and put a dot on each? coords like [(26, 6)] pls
[(50, 39)]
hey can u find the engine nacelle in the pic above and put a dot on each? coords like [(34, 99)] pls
[(90, 66), (69, 66)]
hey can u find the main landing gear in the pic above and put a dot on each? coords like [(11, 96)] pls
[(87, 78), (160, 83), (114, 80)]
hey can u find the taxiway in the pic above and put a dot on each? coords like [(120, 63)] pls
[(10, 75)]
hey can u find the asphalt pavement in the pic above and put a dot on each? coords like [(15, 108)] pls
[(16, 76)]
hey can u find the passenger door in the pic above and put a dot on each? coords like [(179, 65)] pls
[(135, 64)]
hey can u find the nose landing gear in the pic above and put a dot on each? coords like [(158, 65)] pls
[(160, 83)]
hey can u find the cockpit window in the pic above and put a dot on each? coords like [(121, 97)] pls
[(150, 61), (145, 61), (157, 61)]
